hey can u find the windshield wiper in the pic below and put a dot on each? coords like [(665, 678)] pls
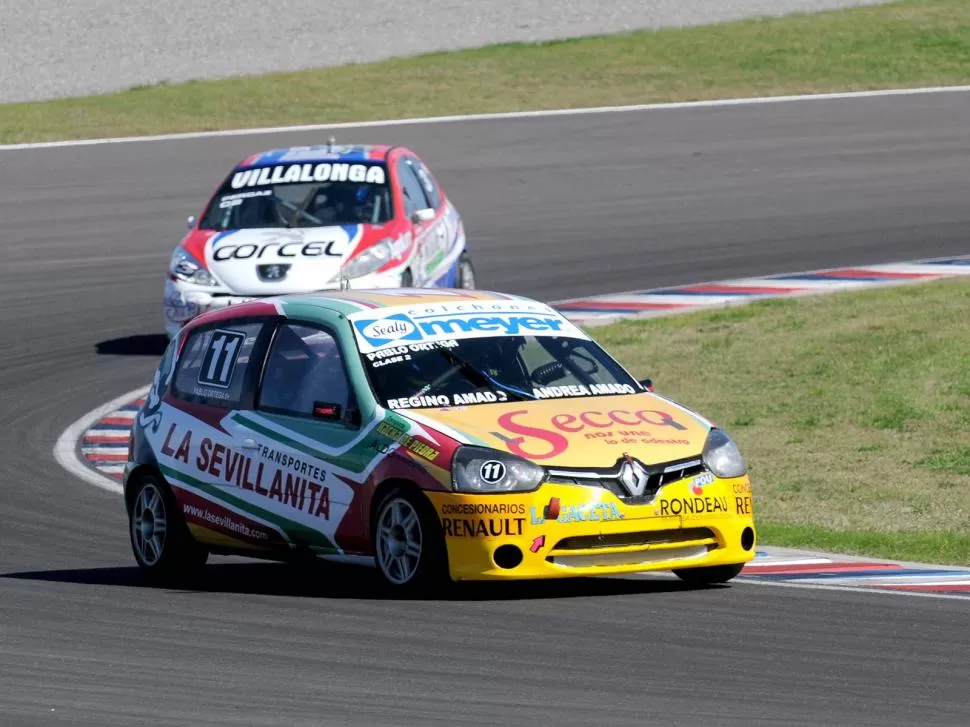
[(479, 377)]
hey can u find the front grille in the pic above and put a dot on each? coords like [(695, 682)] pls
[(659, 475), (620, 540)]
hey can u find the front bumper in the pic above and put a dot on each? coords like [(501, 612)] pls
[(571, 530), (184, 301)]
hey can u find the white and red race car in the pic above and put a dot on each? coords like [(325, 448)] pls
[(312, 218)]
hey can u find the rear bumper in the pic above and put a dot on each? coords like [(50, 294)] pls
[(563, 531)]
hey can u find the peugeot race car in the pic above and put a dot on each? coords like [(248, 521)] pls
[(437, 435), (304, 219)]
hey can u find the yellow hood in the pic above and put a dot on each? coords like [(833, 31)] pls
[(578, 432)]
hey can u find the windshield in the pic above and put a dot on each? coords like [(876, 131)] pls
[(465, 372), (301, 195)]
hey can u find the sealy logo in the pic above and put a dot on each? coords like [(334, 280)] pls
[(633, 476), (398, 327)]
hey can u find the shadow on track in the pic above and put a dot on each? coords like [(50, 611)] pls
[(328, 581), (152, 344)]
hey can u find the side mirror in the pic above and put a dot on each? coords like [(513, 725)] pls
[(425, 215), (327, 411), (190, 222), (647, 384)]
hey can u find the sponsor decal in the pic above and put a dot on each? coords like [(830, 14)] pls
[(234, 200), (698, 483), (538, 544), (284, 248), (447, 400), (482, 508), (448, 321), (492, 471), (742, 505), (543, 442), (410, 443), (693, 506), (178, 309), (742, 488), (584, 513), (456, 527), (304, 173), (288, 482), (558, 392)]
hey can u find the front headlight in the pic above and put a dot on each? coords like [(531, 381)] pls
[(722, 456), (483, 470), (186, 267), (370, 260)]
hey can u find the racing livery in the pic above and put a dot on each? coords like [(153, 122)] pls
[(311, 218), (450, 434)]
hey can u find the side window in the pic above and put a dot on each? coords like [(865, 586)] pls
[(214, 362), (414, 197), (304, 369), (427, 182)]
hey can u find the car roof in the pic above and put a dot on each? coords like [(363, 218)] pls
[(316, 154), (347, 302)]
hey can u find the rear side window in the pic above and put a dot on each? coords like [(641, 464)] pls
[(214, 363)]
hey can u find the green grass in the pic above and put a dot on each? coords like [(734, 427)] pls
[(913, 43), (853, 411)]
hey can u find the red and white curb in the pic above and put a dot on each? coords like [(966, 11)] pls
[(601, 309), (787, 567)]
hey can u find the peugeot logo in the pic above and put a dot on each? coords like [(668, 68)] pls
[(272, 272), (633, 476)]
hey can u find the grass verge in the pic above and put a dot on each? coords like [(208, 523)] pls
[(904, 44), (852, 410)]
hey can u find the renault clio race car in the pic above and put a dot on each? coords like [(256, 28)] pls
[(304, 219), (439, 435)]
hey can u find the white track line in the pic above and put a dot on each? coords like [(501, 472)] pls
[(65, 450), (714, 103)]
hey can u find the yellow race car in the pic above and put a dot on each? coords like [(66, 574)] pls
[(433, 434)]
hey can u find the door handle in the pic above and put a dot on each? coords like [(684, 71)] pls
[(249, 444)]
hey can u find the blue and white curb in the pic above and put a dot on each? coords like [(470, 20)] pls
[(601, 309)]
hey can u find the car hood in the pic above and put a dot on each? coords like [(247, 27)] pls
[(578, 432), (276, 261)]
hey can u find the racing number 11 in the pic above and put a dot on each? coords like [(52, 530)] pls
[(220, 359)]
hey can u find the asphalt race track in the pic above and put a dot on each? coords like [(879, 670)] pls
[(555, 208)]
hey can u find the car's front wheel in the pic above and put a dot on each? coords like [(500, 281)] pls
[(466, 273), (709, 574), (408, 543), (160, 540)]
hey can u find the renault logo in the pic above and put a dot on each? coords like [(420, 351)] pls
[(272, 272), (633, 476)]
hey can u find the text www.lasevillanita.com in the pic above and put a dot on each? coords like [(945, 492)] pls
[(224, 521)]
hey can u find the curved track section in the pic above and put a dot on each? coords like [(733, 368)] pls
[(556, 208)]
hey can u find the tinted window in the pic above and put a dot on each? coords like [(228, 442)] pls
[(304, 366), (414, 197), (351, 194), (214, 362), (427, 182)]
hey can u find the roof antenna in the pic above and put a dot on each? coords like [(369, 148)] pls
[(344, 281)]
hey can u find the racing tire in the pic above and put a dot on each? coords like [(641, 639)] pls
[(409, 546), (710, 574), (160, 540), (465, 277)]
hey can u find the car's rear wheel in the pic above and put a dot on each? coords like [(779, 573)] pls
[(466, 273), (408, 542), (709, 574), (160, 540)]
